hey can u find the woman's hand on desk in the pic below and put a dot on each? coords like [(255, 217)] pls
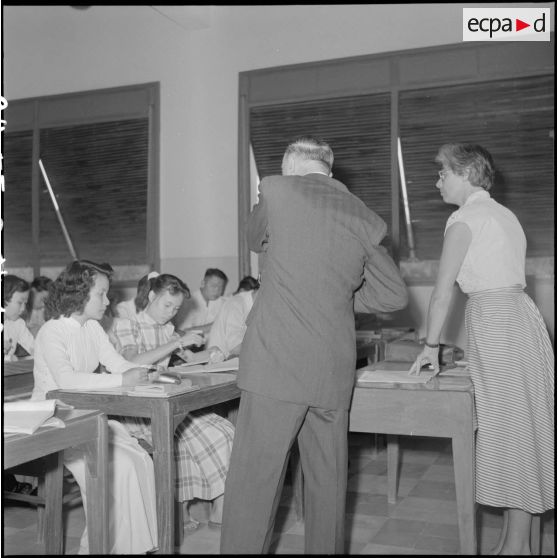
[(429, 355), (134, 376)]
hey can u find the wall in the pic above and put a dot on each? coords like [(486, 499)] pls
[(196, 53)]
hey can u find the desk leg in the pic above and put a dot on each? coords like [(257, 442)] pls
[(392, 467), (162, 429), (53, 504), (96, 458), (464, 471)]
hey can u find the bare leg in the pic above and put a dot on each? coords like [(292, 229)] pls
[(518, 533), (496, 550), (216, 513), (190, 524)]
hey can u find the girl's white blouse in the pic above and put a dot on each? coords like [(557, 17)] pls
[(67, 353)]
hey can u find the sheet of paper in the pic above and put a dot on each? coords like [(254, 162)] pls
[(392, 372), (200, 357)]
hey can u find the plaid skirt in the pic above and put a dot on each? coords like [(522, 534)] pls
[(511, 362), (202, 450)]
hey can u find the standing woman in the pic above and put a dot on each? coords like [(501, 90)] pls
[(203, 440), (510, 356), (69, 348)]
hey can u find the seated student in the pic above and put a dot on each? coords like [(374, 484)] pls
[(203, 441), (206, 302), (35, 311), (127, 308), (18, 341), (228, 329), (68, 350)]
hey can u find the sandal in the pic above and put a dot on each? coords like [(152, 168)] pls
[(214, 525), (191, 525)]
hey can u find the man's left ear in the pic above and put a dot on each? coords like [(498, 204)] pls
[(330, 174), (150, 296)]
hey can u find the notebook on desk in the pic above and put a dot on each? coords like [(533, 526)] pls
[(141, 390), (392, 372), (230, 365)]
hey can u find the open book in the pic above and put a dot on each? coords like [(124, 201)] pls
[(229, 365), (26, 417)]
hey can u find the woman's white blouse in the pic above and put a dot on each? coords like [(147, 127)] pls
[(496, 256), (67, 353)]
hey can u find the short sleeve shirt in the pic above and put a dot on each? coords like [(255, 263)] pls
[(496, 256)]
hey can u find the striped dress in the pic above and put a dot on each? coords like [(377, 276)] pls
[(511, 362), (203, 440)]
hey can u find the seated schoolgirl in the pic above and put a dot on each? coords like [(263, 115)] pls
[(203, 441), (18, 340), (69, 348), (35, 311)]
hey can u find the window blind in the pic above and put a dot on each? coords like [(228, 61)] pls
[(99, 175), (514, 120), (358, 130)]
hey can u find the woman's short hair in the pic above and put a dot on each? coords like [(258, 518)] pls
[(12, 284), (69, 292), (471, 158), (311, 149), (39, 285), (247, 283), (163, 282)]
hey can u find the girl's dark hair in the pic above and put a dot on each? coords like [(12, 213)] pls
[(163, 282), (12, 284), (39, 284), (247, 283), (69, 292)]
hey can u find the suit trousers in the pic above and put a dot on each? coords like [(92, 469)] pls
[(266, 429)]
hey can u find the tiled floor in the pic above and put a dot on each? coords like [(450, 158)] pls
[(423, 521)]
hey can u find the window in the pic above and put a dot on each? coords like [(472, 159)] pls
[(499, 95), (99, 150)]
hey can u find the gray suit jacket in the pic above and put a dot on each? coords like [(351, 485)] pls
[(323, 262)]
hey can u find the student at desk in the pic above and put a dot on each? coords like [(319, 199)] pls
[(69, 348), (206, 302), (35, 311), (228, 329), (203, 441), (18, 340)]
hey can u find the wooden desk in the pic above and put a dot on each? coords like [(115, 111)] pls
[(165, 414), (84, 429), (443, 407)]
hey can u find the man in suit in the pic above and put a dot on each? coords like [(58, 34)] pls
[(298, 357)]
